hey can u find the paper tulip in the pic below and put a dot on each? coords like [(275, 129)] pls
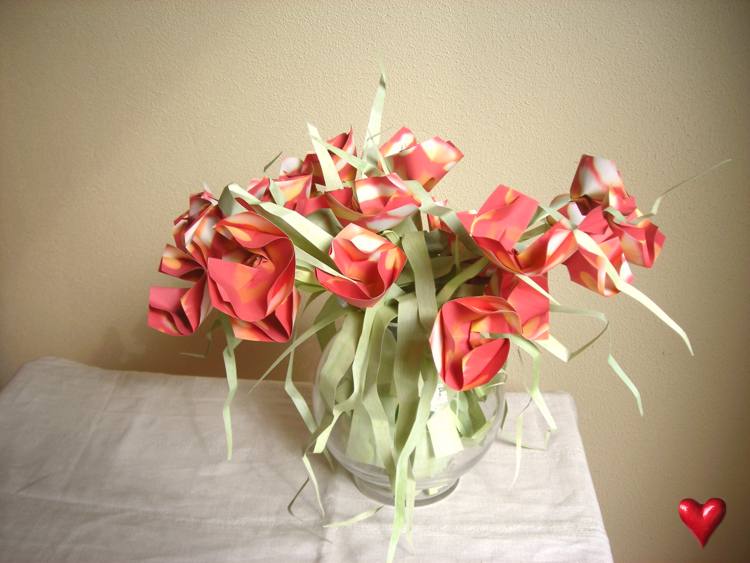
[(311, 165), (464, 353), (497, 228), (177, 311), (598, 183), (531, 306), (194, 229), (641, 240), (376, 203), (586, 268), (598, 180), (426, 162), (252, 278), (180, 311), (295, 191), (370, 262)]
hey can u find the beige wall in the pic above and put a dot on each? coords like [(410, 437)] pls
[(112, 112)]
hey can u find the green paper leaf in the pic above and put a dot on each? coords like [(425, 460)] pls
[(327, 166), (532, 284), (443, 433), (371, 144), (270, 162), (459, 279), (448, 215), (321, 323), (588, 244), (305, 234), (230, 367), (535, 391), (364, 515), (627, 381), (379, 366), (415, 248), (403, 499), (557, 349), (657, 202)]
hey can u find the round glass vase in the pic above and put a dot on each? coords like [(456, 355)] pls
[(460, 429)]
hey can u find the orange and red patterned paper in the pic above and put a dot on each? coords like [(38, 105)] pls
[(244, 265)]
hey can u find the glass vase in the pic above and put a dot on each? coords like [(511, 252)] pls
[(460, 429)]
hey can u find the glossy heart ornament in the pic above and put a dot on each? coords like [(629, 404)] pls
[(702, 519)]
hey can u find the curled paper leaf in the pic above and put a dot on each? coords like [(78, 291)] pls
[(325, 168), (424, 281), (374, 126), (587, 268), (626, 380), (586, 242), (230, 367)]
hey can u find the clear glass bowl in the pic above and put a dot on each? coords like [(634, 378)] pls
[(482, 410)]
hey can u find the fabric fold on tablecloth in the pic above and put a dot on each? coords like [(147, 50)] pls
[(102, 465)]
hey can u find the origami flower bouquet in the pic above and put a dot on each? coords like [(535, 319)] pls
[(417, 305)]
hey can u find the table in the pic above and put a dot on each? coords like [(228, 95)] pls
[(103, 466)]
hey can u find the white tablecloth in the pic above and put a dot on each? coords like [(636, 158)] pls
[(105, 466)]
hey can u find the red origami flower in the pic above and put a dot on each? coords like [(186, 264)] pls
[(531, 306), (291, 167), (371, 262), (465, 354), (597, 183), (426, 162), (377, 203), (297, 192), (251, 278), (179, 311), (499, 224), (586, 268)]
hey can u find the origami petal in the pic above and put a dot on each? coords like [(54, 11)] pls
[(178, 263), (254, 275), (401, 140), (276, 327), (377, 203), (599, 180), (295, 189), (290, 166), (384, 201), (194, 229), (597, 183), (501, 221), (258, 187), (504, 216), (426, 162), (347, 173), (298, 194), (532, 307), (177, 311), (586, 268), (464, 353), (371, 262), (641, 242)]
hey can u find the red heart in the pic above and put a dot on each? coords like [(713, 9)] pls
[(702, 519)]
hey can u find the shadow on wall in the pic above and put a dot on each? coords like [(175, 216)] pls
[(142, 349)]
